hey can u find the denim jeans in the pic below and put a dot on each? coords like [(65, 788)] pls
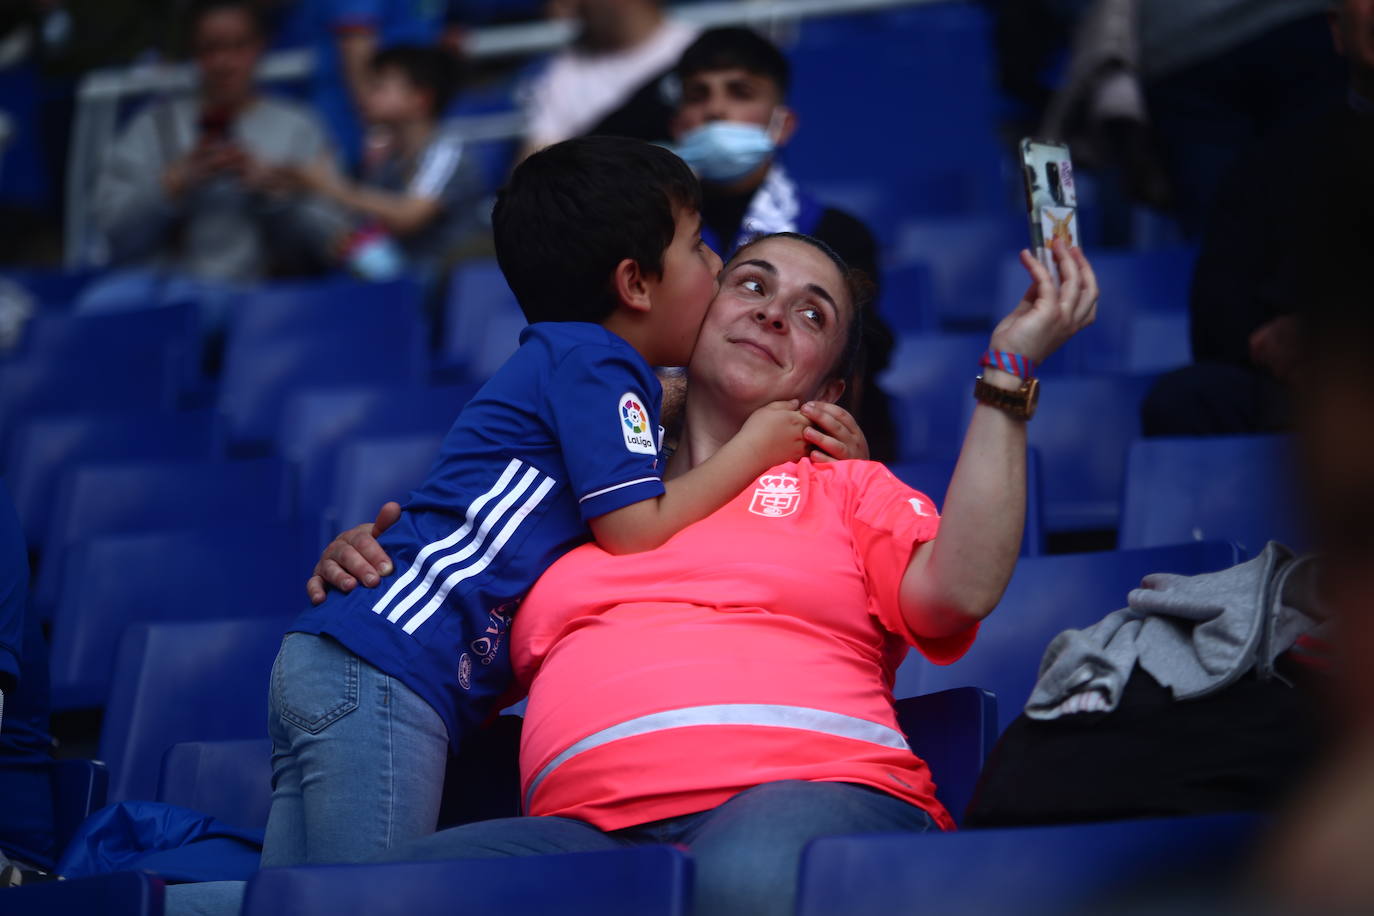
[(746, 851), (357, 758)]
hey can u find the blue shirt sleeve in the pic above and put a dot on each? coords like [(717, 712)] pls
[(604, 403)]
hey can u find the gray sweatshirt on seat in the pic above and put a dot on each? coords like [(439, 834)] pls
[(1192, 634)]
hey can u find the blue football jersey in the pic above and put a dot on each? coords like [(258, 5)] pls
[(567, 430)]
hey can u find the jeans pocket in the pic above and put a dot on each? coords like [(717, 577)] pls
[(314, 681)]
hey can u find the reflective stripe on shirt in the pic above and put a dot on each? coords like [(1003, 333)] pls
[(764, 715)]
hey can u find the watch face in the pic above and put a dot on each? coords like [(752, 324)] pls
[(1032, 390)]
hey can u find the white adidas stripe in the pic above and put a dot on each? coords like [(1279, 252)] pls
[(473, 545), (430, 549), (468, 572)]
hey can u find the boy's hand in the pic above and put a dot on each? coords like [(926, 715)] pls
[(776, 433), (834, 432), (354, 556)]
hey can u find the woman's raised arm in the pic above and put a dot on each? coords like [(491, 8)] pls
[(957, 579)]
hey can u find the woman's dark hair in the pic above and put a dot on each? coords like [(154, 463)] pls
[(857, 286), (572, 212), (426, 68)]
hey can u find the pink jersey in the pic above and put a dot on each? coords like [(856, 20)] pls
[(756, 645)]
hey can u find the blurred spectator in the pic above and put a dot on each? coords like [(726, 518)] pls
[(347, 34), (624, 45), (26, 802), (419, 185), (1249, 282), (1320, 854), (192, 186), (729, 124), (1204, 73)]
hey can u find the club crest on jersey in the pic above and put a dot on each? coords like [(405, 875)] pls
[(634, 425), (776, 496)]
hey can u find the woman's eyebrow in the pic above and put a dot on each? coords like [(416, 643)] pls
[(756, 262)]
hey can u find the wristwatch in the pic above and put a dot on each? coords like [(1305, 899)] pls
[(1019, 403)]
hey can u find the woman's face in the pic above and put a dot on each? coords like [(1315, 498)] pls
[(776, 328)]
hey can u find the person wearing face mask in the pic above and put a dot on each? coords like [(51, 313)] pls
[(731, 120)]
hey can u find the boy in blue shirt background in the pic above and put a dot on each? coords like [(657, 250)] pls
[(600, 240)]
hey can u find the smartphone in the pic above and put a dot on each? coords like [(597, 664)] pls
[(1051, 198)]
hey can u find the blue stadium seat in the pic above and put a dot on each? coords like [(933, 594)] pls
[(1230, 488), (907, 299), (53, 289), (482, 322), (302, 309), (45, 446), (107, 382), (373, 470), (317, 422), (963, 254), (1083, 428), (79, 787), (126, 893), (643, 881), (1126, 866), (260, 374), (112, 581), (1142, 319), (952, 731), (136, 334), (932, 477), (230, 780), (174, 682), (848, 72), (1046, 596), (929, 378), (101, 499)]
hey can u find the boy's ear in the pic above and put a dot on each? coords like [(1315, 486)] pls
[(632, 286), (786, 124)]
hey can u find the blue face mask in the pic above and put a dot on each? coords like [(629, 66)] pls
[(725, 151)]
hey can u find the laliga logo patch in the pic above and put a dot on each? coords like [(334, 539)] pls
[(777, 495), (634, 425)]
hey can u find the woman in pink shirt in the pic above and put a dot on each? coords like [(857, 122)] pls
[(732, 690)]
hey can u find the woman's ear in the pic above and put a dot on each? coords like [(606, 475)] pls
[(632, 286), (831, 391)]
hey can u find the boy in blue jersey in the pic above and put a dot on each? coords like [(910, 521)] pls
[(600, 239)]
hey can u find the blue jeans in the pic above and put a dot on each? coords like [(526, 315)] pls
[(746, 851), (357, 758)]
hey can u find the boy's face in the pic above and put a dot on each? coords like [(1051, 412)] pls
[(393, 99), (683, 293), (725, 95)]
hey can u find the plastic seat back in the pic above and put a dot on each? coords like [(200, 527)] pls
[(46, 446), (174, 682), (642, 881), (1048, 595), (112, 581), (1085, 868), (230, 780), (1231, 488), (953, 731)]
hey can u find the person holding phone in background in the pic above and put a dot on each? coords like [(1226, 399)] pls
[(191, 188)]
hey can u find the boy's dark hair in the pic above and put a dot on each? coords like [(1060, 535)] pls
[(570, 213), (430, 69), (736, 48), (856, 284)]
